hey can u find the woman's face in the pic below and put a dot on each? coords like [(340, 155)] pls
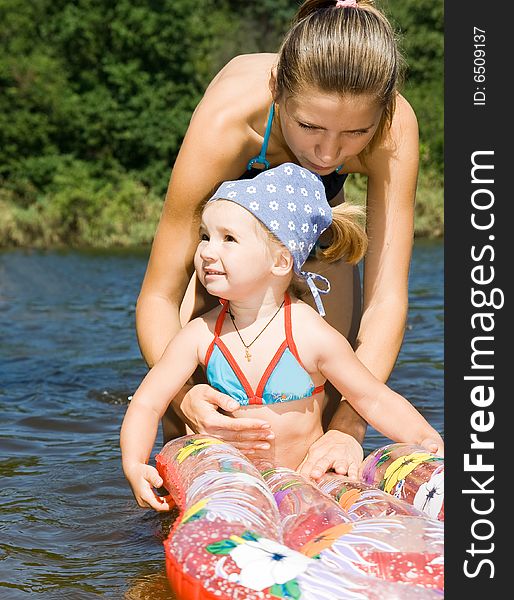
[(324, 130)]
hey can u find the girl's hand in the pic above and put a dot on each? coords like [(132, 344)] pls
[(142, 479), (334, 450), (434, 444), (200, 407)]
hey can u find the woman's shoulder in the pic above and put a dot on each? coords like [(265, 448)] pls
[(403, 128), (246, 67), (234, 110), (404, 119), (228, 123), (240, 91)]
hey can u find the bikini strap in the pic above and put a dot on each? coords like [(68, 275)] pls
[(261, 157), (289, 328), (290, 341), (221, 318)]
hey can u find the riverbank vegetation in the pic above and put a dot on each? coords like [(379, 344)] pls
[(95, 98)]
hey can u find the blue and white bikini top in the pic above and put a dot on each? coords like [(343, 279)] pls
[(284, 379)]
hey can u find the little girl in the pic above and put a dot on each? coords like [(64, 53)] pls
[(273, 353)]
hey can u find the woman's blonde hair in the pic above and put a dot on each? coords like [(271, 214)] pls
[(345, 51)]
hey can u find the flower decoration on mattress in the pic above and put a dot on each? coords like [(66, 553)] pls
[(249, 535)]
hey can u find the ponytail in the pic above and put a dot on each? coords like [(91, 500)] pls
[(349, 239), (349, 242)]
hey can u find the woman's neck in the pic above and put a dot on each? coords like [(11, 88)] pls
[(277, 139)]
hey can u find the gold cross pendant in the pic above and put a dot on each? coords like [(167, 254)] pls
[(248, 356)]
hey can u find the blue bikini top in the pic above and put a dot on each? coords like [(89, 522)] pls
[(284, 379)]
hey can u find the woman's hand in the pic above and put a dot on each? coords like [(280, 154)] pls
[(143, 478), (200, 408), (333, 450)]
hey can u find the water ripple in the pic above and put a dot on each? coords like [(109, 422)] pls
[(69, 527)]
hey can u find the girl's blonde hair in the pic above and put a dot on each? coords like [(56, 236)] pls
[(349, 239), (345, 51)]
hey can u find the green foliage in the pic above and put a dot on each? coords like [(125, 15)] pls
[(95, 98), (420, 26), (79, 208), (111, 83), (429, 210), (261, 26)]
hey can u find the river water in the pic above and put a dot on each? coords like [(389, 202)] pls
[(69, 527)]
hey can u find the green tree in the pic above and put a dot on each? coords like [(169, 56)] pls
[(95, 98), (110, 83), (421, 27)]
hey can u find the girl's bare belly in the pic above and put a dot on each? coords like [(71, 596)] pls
[(296, 425)]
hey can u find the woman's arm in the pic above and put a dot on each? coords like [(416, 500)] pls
[(392, 180), (216, 147), (392, 171), (203, 161), (199, 165)]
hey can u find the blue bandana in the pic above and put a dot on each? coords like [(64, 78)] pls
[(291, 202)]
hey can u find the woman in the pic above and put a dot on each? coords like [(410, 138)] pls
[(328, 101), (282, 378)]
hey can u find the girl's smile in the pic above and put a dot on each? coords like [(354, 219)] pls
[(212, 272)]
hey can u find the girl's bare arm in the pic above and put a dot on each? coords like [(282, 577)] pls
[(386, 410)]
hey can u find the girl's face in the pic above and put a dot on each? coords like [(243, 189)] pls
[(234, 256), (325, 130)]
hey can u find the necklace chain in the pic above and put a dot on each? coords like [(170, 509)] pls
[(248, 356)]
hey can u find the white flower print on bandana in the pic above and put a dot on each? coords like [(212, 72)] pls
[(277, 197)]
